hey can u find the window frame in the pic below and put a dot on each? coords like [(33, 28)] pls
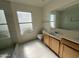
[(24, 22), (5, 23), (54, 21), (5, 18)]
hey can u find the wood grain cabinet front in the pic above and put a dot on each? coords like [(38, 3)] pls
[(64, 48), (69, 52), (46, 40), (69, 49), (54, 45)]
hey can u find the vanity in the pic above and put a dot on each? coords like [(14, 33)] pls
[(65, 45)]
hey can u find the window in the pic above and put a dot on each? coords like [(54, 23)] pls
[(4, 32), (25, 21), (52, 20)]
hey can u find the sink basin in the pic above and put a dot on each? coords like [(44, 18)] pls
[(55, 33)]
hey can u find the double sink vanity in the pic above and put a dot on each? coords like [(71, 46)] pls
[(63, 43)]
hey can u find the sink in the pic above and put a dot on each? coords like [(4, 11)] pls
[(55, 33)]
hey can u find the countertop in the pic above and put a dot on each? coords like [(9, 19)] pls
[(71, 36)]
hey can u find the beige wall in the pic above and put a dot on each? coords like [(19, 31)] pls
[(36, 18), (12, 21)]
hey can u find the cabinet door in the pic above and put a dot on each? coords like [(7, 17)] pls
[(54, 45), (69, 52), (46, 39)]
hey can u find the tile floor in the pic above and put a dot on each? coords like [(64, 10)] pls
[(33, 49)]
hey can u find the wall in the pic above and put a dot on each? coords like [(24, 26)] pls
[(70, 18), (56, 5), (46, 22), (36, 18), (12, 21)]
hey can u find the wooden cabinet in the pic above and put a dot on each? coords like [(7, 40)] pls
[(54, 45), (61, 50), (68, 51), (64, 48), (46, 39)]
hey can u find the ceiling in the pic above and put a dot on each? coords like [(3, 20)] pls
[(38, 3)]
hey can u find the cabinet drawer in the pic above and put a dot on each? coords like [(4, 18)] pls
[(70, 43)]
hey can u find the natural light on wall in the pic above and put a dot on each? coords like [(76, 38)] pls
[(4, 32), (25, 21), (52, 20)]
